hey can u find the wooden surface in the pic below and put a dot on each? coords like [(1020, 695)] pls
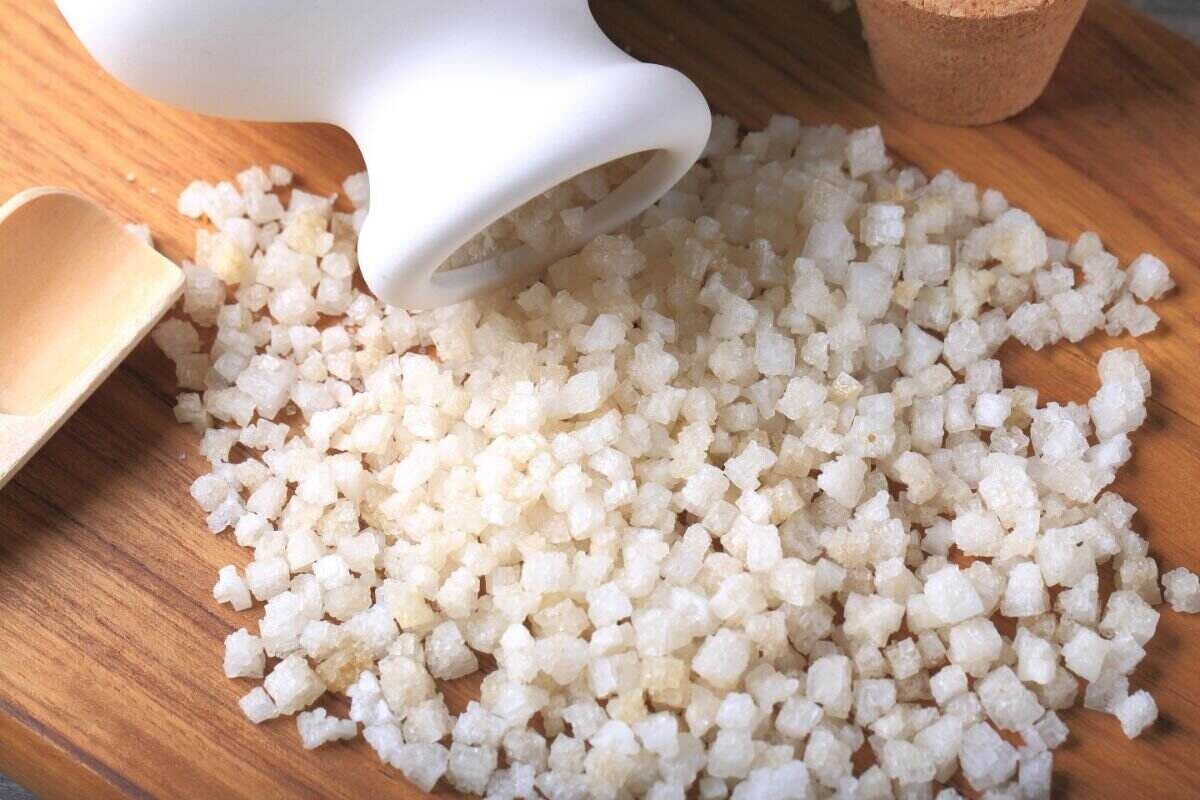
[(110, 676)]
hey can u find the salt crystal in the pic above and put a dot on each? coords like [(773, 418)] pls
[(1136, 713)]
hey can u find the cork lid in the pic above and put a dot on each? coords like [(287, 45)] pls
[(977, 9), (967, 62)]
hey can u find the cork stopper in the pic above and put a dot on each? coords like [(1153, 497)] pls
[(967, 62)]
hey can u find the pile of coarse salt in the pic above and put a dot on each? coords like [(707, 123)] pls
[(727, 498)]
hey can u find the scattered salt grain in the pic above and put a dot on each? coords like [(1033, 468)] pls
[(280, 176), (141, 231), (1182, 589), (244, 657), (1136, 713), (258, 706), (293, 685), (231, 588), (317, 727)]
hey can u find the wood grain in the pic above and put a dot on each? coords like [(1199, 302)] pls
[(110, 677)]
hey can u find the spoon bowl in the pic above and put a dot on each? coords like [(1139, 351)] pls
[(77, 292)]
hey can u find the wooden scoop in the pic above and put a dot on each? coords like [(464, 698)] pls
[(77, 292)]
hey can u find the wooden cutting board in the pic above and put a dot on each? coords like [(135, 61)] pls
[(110, 643)]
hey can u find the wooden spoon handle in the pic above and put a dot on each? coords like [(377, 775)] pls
[(20, 438)]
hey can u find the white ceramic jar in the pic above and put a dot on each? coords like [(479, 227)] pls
[(463, 110)]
